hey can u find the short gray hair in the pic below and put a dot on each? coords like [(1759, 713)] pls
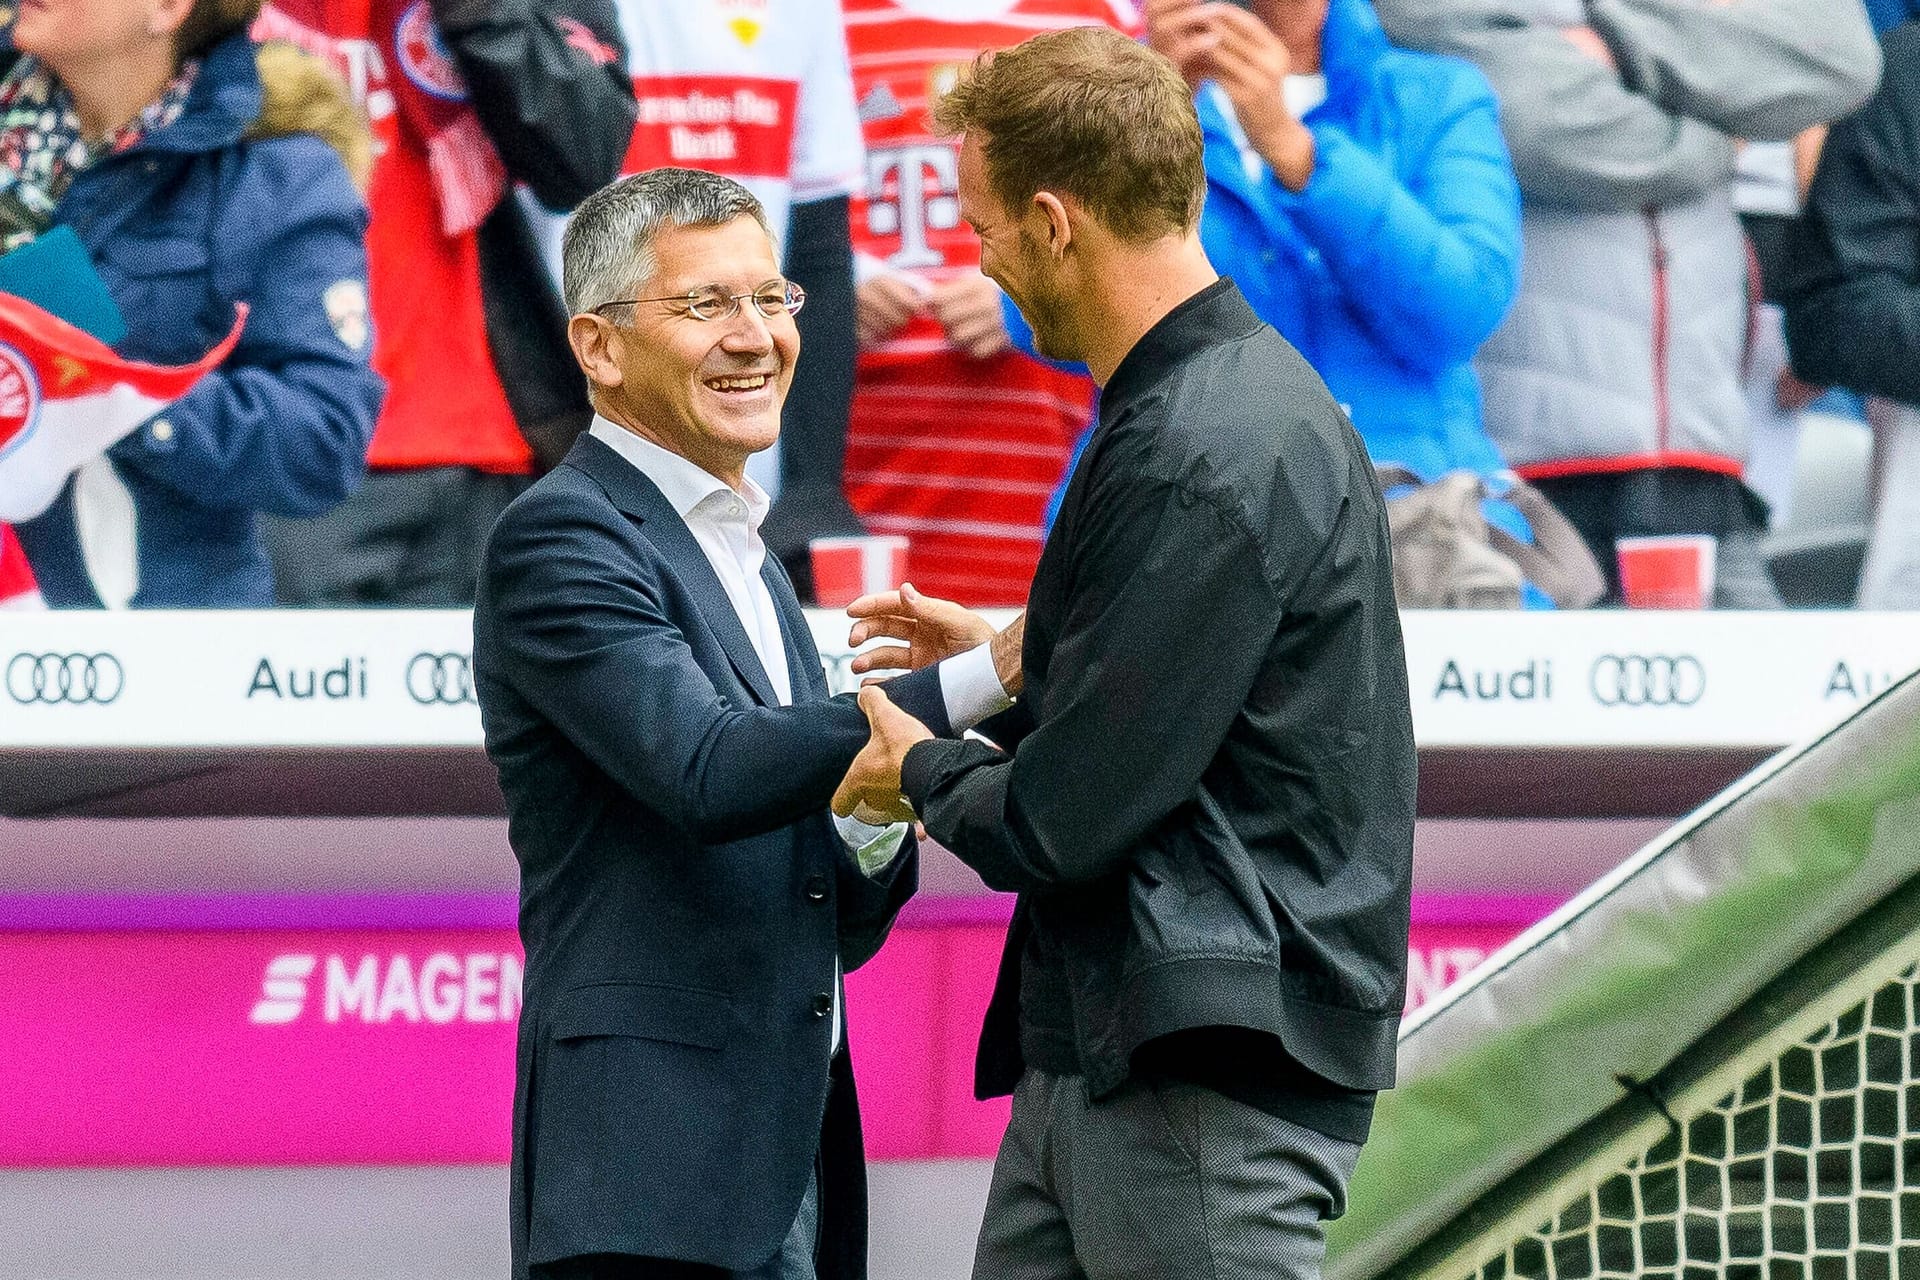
[(608, 246)]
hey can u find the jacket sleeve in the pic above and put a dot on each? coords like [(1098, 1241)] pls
[(548, 80), (1429, 267), (283, 425), (1578, 135), (1853, 291), (600, 656), (1132, 713), (1760, 69)]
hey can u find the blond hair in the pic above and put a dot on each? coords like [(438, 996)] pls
[(1090, 114)]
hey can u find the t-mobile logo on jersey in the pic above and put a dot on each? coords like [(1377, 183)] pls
[(911, 191), (443, 988)]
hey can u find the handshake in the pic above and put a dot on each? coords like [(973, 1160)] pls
[(922, 631)]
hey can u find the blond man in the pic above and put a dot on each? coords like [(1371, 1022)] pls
[(1204, 792)]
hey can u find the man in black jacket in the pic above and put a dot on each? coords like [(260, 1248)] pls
[(1852, 298), (1206, 796)]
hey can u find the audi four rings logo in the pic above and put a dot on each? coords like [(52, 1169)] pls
[(71, 678), (1647, 680), (445, 679)]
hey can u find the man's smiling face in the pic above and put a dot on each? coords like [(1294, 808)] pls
[(710, 390)]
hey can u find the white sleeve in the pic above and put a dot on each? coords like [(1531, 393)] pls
[(873, 847), (971, 688), (829, 157)]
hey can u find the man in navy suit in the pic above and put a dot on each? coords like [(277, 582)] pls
[(660, 721)]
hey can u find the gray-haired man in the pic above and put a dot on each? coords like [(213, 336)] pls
[(659, 717)]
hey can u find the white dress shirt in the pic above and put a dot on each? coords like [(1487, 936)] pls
[(726, 524)]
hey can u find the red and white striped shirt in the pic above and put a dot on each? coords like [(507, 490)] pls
[(958, 454)]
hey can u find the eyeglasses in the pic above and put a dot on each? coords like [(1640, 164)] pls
[(712, 302)]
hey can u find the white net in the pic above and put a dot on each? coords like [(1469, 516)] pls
[(1809, 1170)]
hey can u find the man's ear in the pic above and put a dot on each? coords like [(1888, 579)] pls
[(164, 17), (1057, 229), (597, 347)]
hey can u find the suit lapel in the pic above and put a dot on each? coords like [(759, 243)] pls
[(638, 497), (804, 671)]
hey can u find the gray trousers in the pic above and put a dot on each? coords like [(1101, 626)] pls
[(1890, 578), (1160, 1181)]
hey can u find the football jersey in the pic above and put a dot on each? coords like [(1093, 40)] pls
[(959, 455), (758, 90)]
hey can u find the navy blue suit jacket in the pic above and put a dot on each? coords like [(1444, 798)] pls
[(683, 894)]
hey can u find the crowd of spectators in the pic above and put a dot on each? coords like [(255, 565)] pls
[(1542, 251)]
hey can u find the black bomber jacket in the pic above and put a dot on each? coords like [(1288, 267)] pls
[(1206, 800)]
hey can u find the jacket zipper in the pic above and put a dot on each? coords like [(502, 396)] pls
[(1662, 410)]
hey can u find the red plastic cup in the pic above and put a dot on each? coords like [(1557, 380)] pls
[(1671, 572), (844, 569)]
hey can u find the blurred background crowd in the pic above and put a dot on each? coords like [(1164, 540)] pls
[(1579, 270)]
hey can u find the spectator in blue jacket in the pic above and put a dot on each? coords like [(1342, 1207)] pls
[(1361, 197), (1888, 14), (194, 186)]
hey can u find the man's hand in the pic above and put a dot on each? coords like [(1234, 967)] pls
[(872, 785), (1229, 46), (882, 307), (928, 630), (968, 308)]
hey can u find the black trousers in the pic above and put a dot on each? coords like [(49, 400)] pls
[(1672, 500), (404, 538)]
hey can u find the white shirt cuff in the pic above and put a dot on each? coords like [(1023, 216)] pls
[(971, 688), (873, 847)]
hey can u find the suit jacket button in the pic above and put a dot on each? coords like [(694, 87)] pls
[(823, 1004), (816, 888)]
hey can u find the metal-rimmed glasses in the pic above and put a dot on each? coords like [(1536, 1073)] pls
[(713, 302)]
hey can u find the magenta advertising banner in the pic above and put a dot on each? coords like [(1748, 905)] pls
[(261, 1032)]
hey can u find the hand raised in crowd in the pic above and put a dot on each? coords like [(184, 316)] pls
[(883, 305), (871, 789), (1240, 53), (968, 308), (928, 630)]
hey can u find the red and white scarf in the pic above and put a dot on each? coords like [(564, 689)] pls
[(426, 105)]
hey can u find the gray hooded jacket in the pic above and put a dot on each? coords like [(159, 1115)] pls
[(1624, 348)]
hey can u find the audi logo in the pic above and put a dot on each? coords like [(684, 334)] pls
[(442, 679), (1643, 680), (71, 678)]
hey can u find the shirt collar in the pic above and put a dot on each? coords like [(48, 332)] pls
[(684, 485), (1215, 314)]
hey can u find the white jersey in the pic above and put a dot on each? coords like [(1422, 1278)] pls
[(758, 90)]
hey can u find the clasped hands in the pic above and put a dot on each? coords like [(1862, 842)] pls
[(923, 631)]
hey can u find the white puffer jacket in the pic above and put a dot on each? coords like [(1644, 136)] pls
[(1625, 345)]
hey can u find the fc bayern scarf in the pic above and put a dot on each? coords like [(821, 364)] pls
[(66, 397), (429, 95)]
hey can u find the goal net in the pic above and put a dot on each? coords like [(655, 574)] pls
[(1706, 1067), (1805, 1167)]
